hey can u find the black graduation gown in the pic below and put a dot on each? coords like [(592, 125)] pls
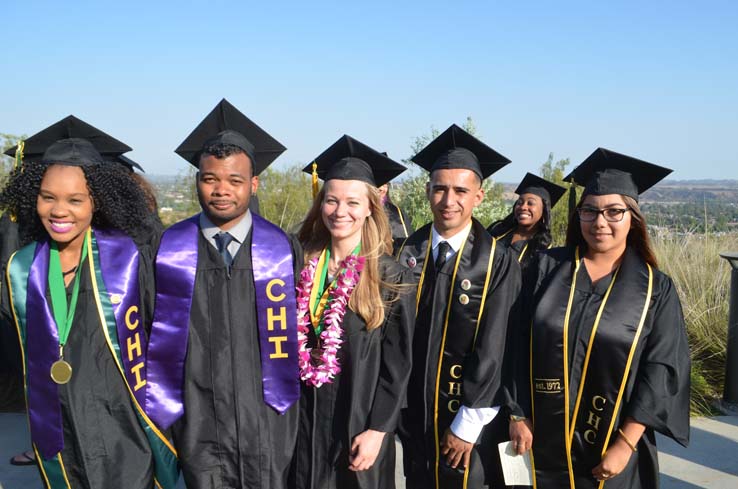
[(11, 369), (105, 446), (400, 222), (658, 386), (482, 367), (367, 394), (521, 249), (499, 428), (228, 437)]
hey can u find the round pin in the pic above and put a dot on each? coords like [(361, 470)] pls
[(464, 299), (116, 298), (466, 284), (411, 262), (61, 372)]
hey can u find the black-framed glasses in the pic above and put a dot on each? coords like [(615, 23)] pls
[(611, 214)]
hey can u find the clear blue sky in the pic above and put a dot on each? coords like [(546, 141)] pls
[(654, 79)]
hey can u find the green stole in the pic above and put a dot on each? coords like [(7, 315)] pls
[(53, 469)]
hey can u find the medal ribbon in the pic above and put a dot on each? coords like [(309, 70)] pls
[(318, 305), (63, 313)]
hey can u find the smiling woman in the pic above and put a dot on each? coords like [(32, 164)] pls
[(607, 326), (527, 229), (77, 298), (354, 327)]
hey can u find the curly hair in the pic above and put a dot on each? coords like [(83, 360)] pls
[(119, 202), (224, 150)]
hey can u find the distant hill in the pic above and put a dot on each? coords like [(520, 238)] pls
[(676, 191)]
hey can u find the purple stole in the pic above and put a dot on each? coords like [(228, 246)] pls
[(118, 266), (176, 267)]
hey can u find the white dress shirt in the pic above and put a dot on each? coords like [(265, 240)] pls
[(239, 232), (468, 423)]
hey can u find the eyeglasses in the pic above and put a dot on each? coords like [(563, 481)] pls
[(611, 214)]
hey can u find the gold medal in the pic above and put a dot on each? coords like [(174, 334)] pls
[(61, 372)]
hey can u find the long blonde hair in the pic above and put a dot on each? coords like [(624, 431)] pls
[(376, 240)]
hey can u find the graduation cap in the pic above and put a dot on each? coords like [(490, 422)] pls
[(349, 159), (607, 172), (455, 148), (128, 163), (533, 184), (71, 141), (225, 124)]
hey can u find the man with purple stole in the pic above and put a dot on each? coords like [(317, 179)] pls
[(222, 359)]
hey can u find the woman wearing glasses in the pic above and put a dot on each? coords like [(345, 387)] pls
[(609, 361)]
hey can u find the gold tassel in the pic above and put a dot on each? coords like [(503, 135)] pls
[(19, 154), (316, 188), (18, 163)]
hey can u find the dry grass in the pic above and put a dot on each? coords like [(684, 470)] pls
[(703, 281)]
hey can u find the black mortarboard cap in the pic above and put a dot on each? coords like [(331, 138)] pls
[(61, 142), (455, 148), (349, 159), (225, 124), (128, 163), (607, 172), (72, 152), (533, 184)]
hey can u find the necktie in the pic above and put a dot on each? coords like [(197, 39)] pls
[(443, 249), (223, 239)]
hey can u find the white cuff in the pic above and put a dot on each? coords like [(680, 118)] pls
[(468, 422)]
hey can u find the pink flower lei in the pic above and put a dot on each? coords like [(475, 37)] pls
[(331, 337)]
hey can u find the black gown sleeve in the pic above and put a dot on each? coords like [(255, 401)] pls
[(11, 360), (397, 334), (483, 366), (147, 238), (660, 396)]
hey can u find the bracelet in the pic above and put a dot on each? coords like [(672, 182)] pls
[(627, 441)]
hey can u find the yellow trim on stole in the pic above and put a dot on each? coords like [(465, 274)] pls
[(628, 364), (422, 272), (588, 354), (484, 290), (532, 403), (440, 356), (103, 324), (318, 315), (39, 464), (402, 221), (522, 253), (567, 422), (64, 471)]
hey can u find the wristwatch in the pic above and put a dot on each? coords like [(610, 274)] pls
[(516, 418)]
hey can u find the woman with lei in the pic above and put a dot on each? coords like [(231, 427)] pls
[(77, 296), (354, 323), (606, 363)]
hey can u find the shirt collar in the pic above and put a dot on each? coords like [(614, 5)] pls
[(454, 241), (239, 231)]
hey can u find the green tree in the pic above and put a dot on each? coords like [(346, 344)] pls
[(285, 196), (555, 171), (411, 193), (6, 162)]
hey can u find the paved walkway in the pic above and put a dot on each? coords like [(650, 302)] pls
[(710, 462)]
